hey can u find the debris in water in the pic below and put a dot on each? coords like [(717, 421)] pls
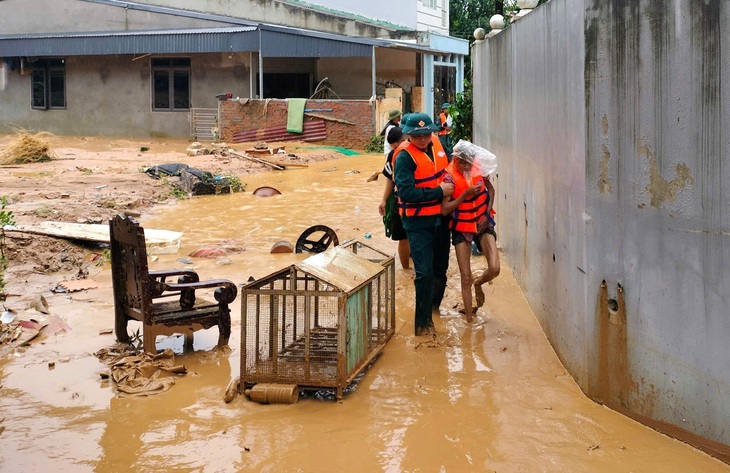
[(266, 191), (282, 247), (208, 252)]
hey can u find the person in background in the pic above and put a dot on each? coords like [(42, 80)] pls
[(388, 207), (470, 211), (419, 168), (394, 118), (444, 121)]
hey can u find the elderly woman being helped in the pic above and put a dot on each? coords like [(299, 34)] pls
[(470, 210)]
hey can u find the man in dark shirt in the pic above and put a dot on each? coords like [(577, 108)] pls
[(419, 171)]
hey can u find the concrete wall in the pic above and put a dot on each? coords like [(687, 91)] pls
[(658, 99), (112, 96), (529, 111), (399, 13), (352, 122), (59, 16), (294, 14), (607, 118), (434, 18)]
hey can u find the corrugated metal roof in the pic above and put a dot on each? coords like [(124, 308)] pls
[(274, 42), (196, 40), (312, 130)]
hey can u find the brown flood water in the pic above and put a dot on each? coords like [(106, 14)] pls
[(487, 397)]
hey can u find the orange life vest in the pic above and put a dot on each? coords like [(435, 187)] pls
[(471, 210), (428, 174), (442, 120)]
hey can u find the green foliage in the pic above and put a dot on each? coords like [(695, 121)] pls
[(461, 112), (236, 184), (467, 15), (178, 192), (375, 145), (106, 257), (6, 218)]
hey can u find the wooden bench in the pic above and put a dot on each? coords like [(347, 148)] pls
[(163, 307)]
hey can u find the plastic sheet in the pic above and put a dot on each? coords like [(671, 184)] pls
[(483, 158)]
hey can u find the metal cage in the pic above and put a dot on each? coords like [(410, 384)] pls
[(320, 322)]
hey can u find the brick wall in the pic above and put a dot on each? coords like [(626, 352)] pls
[(243, 115)]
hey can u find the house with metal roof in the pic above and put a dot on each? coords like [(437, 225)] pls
[(108, 67)]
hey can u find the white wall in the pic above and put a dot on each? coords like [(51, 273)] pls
[(433, 15), (400, 12)]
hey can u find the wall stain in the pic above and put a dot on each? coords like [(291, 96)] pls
[(659, 188), (605, 183), (614, 383)]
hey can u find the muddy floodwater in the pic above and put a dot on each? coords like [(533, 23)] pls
[(491, 396)]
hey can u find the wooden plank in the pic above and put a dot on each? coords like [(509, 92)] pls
[(157, 241), (257, 160)]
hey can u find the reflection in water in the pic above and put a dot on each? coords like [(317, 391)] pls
[(180, 427), (487, 397)]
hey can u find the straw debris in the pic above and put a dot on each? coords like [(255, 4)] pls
[(28, 147)]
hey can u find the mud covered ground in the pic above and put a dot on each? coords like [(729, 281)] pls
[(92, 179), (491, 396)]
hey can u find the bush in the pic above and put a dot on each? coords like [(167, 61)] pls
[(461, 112), (6, 218), (375, 145)]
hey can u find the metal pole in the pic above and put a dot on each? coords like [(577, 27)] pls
[(250, 74), (261, 70), (373, 73)]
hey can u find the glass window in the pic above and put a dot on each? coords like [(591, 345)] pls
[(171, 83), (39, 89), (48, 84)]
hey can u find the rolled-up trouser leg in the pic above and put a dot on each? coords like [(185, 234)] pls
[(421, 241)]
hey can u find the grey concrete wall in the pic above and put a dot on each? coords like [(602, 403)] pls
[(111, 96), (529, 111), (657, 80), (281, 13), (59, 16), (609, 120)]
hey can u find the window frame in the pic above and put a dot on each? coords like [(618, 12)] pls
[(49, 69), (172, 67)]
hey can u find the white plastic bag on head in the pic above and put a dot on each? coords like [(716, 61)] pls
[(483, 158)]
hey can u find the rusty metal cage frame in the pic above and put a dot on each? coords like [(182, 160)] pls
[(294, 325)]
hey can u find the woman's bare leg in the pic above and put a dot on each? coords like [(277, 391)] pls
[(404, 253), (463, 255), (489, 245)]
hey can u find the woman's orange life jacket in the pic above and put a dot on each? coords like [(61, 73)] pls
[(428, 174), (473, 209), (442, 119)]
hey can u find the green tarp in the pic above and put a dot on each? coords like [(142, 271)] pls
[(295, 115)]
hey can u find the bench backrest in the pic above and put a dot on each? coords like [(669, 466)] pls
[(130, 275)]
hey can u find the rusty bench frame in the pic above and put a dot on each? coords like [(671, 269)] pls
[(146, 296)]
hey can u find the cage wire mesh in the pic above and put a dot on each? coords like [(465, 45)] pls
[(300, 329)]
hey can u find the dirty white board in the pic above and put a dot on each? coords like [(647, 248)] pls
[(159, 242)]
